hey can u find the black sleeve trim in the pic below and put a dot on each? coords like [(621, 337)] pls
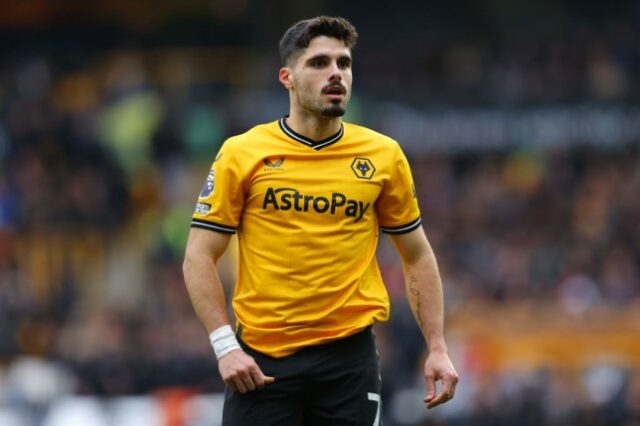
[(212, 226), (414, 224)]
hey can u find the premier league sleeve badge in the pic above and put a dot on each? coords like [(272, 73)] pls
[(207, 188)]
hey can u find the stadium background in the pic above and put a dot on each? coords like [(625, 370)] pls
[(522, 123)]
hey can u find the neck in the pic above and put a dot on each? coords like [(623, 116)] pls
[(313, 126)]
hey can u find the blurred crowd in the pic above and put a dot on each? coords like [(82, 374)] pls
[(100, 164), (524, 68)]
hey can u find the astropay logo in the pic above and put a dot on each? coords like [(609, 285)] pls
[(337, 203)]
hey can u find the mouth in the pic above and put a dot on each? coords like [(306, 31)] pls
[(334, 91)]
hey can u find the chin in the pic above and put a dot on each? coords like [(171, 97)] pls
[(334, 111)]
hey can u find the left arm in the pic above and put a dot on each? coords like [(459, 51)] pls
[(424, 291)]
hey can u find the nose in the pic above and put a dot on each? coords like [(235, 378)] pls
[(335, 75)]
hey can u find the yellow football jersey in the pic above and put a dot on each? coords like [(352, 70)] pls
[(307, 214)]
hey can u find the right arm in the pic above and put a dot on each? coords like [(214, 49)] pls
[(204, 248), (238, 370)]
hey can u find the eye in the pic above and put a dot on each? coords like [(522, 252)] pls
[(344, 63), (319, 63)]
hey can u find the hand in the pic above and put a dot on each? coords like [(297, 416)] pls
[(438, 367), (241, 373)]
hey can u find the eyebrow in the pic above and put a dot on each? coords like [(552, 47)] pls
[(325, 56)]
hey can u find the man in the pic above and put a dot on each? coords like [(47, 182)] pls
[(306, 195)]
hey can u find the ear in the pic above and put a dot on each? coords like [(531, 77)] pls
[(286, 78)]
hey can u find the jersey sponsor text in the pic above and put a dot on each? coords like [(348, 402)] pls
[(291, 198)]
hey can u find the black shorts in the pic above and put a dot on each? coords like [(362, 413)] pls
[(334, 384)]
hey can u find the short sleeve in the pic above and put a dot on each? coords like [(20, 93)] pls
[(221, 199), (397, 206)]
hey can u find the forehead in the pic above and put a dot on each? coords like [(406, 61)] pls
[(323, 45)]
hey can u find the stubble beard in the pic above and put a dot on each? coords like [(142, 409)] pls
[(335, 110)]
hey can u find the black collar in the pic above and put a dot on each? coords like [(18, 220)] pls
[(317, 145)]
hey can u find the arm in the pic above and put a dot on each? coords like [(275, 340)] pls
[(424, 291), (204, 248)]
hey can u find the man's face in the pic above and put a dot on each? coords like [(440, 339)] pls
[(322, 77)]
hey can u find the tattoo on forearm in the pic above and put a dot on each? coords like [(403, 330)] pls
[(413, 289)]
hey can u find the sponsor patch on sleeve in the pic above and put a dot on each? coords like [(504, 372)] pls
[(203, 208)]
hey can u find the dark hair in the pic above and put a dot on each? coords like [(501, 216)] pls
[(300, 34)]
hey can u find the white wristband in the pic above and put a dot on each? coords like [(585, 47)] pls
[(223, 341)]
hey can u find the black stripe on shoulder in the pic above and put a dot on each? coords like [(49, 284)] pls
[(212, 226), (414, 224)]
